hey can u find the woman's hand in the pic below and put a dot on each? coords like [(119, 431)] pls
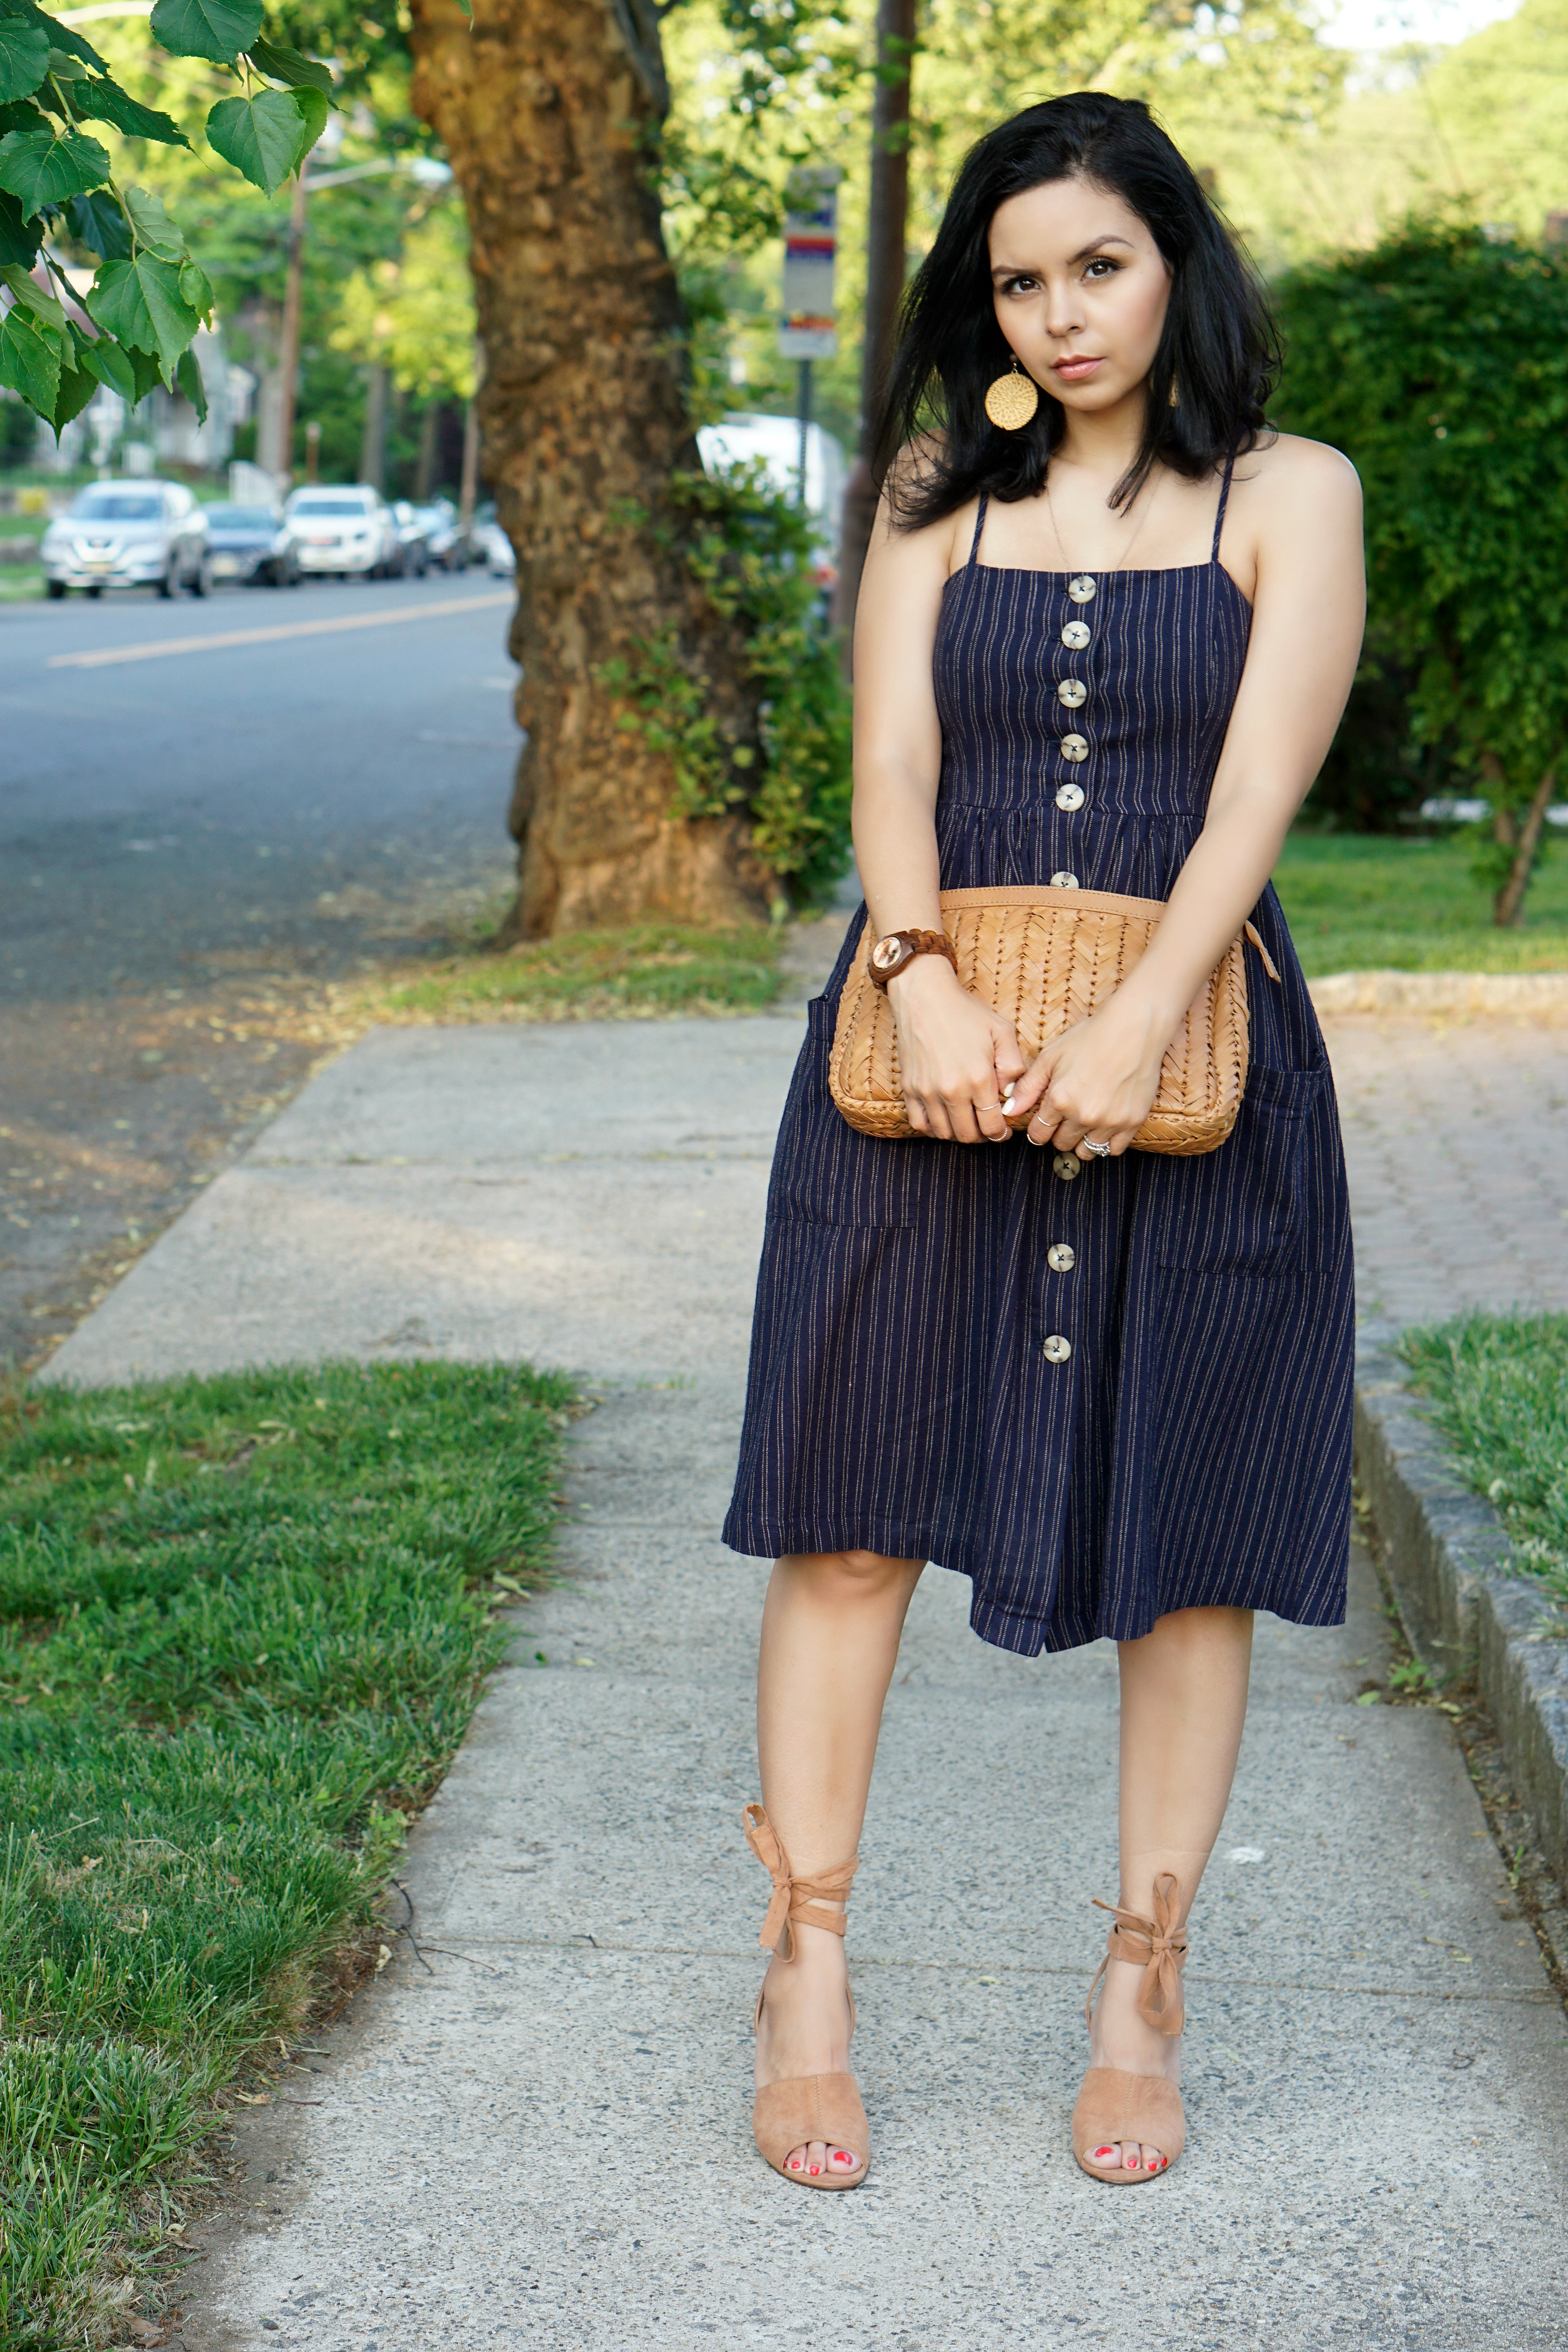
[(955, 1056), (1098, 1079)]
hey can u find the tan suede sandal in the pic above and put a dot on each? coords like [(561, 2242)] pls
[(805, 2107), (1113, 2105)]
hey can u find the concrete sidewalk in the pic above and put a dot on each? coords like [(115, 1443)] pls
[(539, 2134)]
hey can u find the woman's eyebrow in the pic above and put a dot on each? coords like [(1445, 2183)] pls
[(1084, 253)]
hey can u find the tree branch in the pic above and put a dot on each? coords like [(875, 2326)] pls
[(637, 21)]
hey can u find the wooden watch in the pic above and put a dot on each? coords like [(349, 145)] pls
[(891, 953)]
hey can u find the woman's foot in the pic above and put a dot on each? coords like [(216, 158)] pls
[(805, 2029), (1120, 2037)]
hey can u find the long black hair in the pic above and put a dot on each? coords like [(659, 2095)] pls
[(1219, 347)]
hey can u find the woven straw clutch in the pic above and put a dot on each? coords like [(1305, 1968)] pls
[(1048, 959)]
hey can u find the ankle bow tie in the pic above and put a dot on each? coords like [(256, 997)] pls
[(1160, 1945), (816, 1902)]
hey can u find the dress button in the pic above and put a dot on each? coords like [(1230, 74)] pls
[(1077, 635), (1073, 747), (1067, 1165), (1070, 797), (1081, 588), (1074, 692), (1057, 1349), (1061, 1257), (1064, 881)]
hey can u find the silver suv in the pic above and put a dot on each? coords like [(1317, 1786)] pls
[(129, 535)]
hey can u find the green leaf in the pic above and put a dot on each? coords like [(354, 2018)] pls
[(59, 36), (30, 360), (280, 64), (196, 288), (314, 109), (77, 388), (104, 101), (28, 290), (19, 236), (45, 166), (20, 115), (154, 227), (265, 136), (140, 301), (100, 222), (188, 376), (23, 56), (111, 366), (219, 29), (148, 373), (64, 67)]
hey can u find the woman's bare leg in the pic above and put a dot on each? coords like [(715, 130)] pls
[(1184, 1702), (831, 1628)]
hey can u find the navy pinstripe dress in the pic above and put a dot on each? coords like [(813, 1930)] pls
[(1192, 1447)]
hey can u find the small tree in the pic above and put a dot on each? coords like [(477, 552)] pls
[(1438, 364)]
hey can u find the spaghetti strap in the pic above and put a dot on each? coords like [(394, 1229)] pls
[(1224, 502), (979, 527)]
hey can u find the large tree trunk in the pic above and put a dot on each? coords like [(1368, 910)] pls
[(886, 246), (548, 110)]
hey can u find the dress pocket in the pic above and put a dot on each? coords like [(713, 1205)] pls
[(1245, 1207), (824, 1171)]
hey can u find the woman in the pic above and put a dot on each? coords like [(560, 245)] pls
[(1111, 1388)]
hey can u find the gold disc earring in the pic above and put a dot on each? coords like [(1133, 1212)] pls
[(1012, 400)]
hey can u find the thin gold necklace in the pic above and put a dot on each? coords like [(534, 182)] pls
[(1062, 544)]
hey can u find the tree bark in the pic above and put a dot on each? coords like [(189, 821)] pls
[(548, 110), (886, 243)]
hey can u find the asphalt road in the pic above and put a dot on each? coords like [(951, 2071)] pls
[(196, 837)]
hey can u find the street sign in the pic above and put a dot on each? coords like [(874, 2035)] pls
[(810, 234)]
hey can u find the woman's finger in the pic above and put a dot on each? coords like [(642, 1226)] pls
[(992, 1123)]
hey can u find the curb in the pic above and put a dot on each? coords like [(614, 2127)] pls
[(1542, 993), (1449, 1562)]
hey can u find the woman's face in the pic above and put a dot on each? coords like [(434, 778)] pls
[(1081, 289)]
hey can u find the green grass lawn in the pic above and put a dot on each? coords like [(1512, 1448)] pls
[(648, 971), (1498, 1386), (1376, 902), (243, 1623)]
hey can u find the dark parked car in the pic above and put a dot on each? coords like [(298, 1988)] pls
[(252, 543)]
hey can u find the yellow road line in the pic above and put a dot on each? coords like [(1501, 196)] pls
[(155, 651)]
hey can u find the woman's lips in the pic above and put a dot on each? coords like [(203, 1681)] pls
[(1075, 369)]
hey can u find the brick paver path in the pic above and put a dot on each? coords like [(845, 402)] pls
[(1457, 1139)]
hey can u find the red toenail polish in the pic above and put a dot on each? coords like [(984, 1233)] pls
[(844, 2156), (794, 2164), (815, 2169), (1102, 2153)]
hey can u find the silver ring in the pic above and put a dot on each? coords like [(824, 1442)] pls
[(1098, 1150), (987, 1106)]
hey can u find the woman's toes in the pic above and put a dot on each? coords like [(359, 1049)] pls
[(1132, 2157), (1153, 2160), (840, 2160), (1110, 2156), (795, 2160), (817, 2159)]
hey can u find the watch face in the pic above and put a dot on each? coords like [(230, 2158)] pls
[(888, 953)]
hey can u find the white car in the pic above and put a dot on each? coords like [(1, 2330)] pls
[(129, 535), (347, 530)]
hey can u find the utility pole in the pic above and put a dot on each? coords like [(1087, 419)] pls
[(886, 238)]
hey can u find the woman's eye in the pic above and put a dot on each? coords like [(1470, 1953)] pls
[(1100, 266), (1020, 285)]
